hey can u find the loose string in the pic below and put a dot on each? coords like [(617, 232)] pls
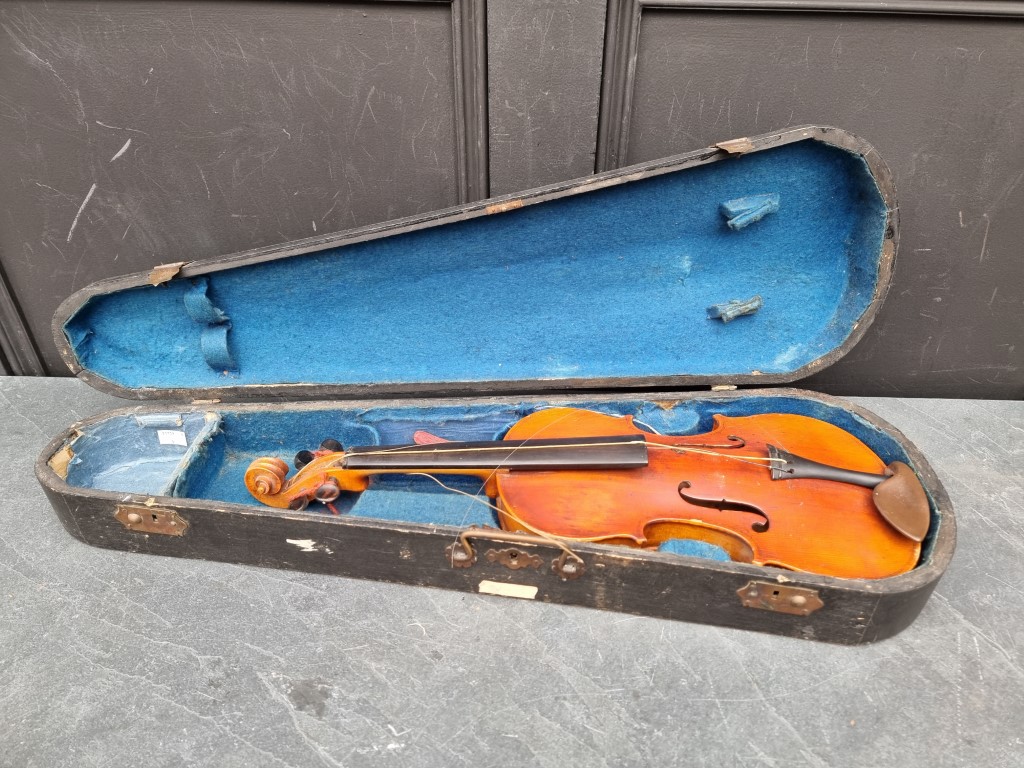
[(754, 460), (559, 542), (537, 531), (554, 539)]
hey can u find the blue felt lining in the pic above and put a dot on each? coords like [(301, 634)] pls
[(610, 283), (122, 453), (136, 453)]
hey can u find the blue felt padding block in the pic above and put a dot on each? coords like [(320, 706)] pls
[(411, 506), (692, 548), (608, 284), (744, 211), (213, 340), (730, 310)]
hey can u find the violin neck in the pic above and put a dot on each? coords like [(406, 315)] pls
[(617, 452)]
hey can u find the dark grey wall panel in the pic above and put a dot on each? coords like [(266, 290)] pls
[(141, 133), (942, 99), (18, 353), (544, 62)]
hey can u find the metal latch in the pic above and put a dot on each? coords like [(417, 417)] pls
[(152, 520), (772, 596)]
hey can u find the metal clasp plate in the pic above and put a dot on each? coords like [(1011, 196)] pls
[(152, 520), (514, 558), (771, 596)]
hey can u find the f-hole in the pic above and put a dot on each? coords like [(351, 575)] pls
[(726, 505)]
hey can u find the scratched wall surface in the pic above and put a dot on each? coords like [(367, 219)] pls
[(943, 102), (141, 133), (137, 133), (544, 85)]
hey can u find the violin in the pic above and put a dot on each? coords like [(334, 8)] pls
[(772, 489)]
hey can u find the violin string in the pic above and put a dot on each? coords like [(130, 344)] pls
[(544, 534), (537, 531), (573, 411), (754, 460), (510, 449), (490, 476), (550, 537), (471, 496), (515, 449)]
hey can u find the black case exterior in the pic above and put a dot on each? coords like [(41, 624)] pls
[(851, 611)]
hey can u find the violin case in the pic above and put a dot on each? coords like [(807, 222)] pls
[(593, 293)]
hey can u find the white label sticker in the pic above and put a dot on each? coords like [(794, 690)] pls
[(524, 591), (171, 437)]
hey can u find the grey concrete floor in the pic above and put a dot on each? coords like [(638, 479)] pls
[(109, 659)]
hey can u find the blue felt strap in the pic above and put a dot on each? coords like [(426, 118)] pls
[(744, 211), (199, 306), (213, 341)]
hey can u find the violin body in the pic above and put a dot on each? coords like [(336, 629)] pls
[(580, 475), (818, 526)]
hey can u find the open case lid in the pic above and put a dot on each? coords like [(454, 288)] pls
[(601, 282)]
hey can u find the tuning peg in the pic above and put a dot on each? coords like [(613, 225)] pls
[(331, 445), (327, 492), (302, 458)]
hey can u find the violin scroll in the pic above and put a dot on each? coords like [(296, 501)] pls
[(265, 476)]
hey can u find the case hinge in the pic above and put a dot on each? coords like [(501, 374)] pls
[(736, 146), (152, 520), (771, 596)]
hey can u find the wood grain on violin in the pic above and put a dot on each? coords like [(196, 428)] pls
[(772, 489)]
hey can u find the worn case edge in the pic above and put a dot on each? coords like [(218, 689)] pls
[(654, 584)]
